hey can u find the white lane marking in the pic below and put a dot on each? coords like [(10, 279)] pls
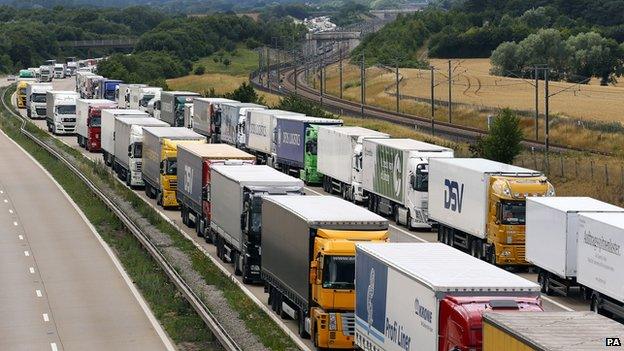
[(6, 201), (38, 292), (10, 211), (53, 346), (391, 225), (1, 192), (31, 270), (46, 318), (26, 253), (21, 237), (558, 304), (15, 224)]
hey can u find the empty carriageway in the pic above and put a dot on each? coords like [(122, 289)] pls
[(60, 286)]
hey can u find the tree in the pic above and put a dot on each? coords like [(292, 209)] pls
[(245, 93), (502, 144), (199, 70), (226, 62), (594, 56), (506, 59), (297, 104)]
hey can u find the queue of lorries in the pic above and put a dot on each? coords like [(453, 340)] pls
[(237, 173)]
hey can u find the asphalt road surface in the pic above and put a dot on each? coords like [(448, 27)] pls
[(61, 287)]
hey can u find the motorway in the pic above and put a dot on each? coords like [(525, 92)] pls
[(397, 234), (62, 287)]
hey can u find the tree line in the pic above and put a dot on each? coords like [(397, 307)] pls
[(476, 28)]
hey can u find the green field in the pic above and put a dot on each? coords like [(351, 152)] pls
[(243, 61)]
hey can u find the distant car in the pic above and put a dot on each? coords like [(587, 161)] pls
[(11, 78)]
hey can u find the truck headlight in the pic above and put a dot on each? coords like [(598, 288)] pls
[(551, 190), (505, 253), (332, 322)]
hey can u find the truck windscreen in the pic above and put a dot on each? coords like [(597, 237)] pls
[(171, 166), (95, 121), (339, 272), (421, 182), (513, 212), (137, 150), (145, 100), (66, 109), (38, 97)]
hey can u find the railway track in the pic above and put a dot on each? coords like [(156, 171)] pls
[(226, 341), (342, 106)]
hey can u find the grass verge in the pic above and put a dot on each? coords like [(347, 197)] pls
[(255, 319), (176, 315)]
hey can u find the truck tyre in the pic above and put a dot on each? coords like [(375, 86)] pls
[(28, 113), (542, 279), (301, 325), (128, 180), (237, 264), (593, 304), (159, 199), (183, 215), (199, 228), (397, 218), (283, 314), (474, 248), (408, 221), (49, 127)]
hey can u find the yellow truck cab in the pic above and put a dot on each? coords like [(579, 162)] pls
[(160, 164), (480, 206), (20, 92), (308, 262), (507, 215)]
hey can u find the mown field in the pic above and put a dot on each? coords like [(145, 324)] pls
[(223, 79)]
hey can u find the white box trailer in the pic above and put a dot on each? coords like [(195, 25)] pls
[(395, 174), (140, 96), (61, 111), (600, 265), (407, 294), (205, 112), (339, 159), (107, 131), (233, 122), (122, 95), (88, 121), (36, 99), (129, 147), (260, 133), (552, 227), (465, 206)]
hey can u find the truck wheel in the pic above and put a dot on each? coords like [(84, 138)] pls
[(199, 228), (474, 249), (593, 304), (283, 314), (237, 265), (301, 325), (408, 221), (28, 113), (128, 180), (397, 218), (183, 215), (49, 127), (159, 199)]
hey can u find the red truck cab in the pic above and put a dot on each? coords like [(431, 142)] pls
[(94, 122), (461, 318)]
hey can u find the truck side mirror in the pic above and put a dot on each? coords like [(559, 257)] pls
[(413, 181), (129, 151), (162, 167), (313, 271), (243, 222)]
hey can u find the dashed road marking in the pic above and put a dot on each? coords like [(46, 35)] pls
[(53, 346), (46, 318), (21, 237), (31, 270), (15, 224), (6, 201), (26, 253), (38, 292), (10, 211)]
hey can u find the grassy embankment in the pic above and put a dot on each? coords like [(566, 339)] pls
[(220, 77), (177, 316)]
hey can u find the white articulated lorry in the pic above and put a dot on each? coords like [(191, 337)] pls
[(36, 99), (129, 147), (552, 230), (206, 116), (480, 206), (261, 133), (107, 131), (122, 95), (61, 111), (339, 159), (88, 122), (234, 121), (430, 297), (140, 96), (600, 264), (395, 178), (236, 194)]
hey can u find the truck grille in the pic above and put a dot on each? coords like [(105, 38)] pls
[(521, 252), (173, 184), (348, 323), (69, 120), (138, 166), (40, 111)]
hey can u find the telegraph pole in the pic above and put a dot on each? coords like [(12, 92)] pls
[(296, 64), (536, 103), (432, 101), (362, 83), (450, 81), (398, 95), (268, 61), (340, 68), (322, 80), (546, 108)]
